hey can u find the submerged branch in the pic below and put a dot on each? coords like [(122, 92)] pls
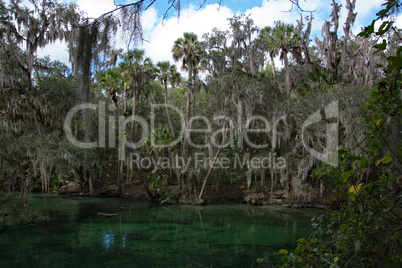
[(107, 214), (190, 260)]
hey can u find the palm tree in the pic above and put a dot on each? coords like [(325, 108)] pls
[(114, 81), (139, 69), (111, 80), (168, 73), (174, 77), (285, 37), (267, 39), (163, 72), (188, 49), (197, 84)]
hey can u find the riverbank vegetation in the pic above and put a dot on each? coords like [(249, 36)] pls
[(324, 129)]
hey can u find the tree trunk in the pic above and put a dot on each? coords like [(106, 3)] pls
[(272, 182), (249, 175), (273, 64), (194, 100), (262, 174), (190, 84), (210, 170), (91, 185), (128, 173), (135, 99), (130, 137), (120, 176), (285, 59), (167, 110), (27, 185), (171, 131), (263, 170)]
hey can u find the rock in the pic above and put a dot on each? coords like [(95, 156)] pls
[(183, 201), (278, 201), (200, 202), (71, 187), (254, 201)]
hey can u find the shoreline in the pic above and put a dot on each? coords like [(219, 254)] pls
[(135, 193)]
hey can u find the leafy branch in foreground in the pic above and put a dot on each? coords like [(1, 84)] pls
[(364, 228), (13, 210)]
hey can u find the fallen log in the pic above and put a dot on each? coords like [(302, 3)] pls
[(164, 201), (107, 214)]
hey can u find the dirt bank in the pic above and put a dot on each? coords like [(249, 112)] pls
[(171, 194)]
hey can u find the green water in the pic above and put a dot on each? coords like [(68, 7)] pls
[(146, 235)]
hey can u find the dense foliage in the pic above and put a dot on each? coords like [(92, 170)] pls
[(13, 211), (236, 82), (257, 111), (364, 229)]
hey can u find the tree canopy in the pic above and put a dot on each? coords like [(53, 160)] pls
[(323, 130)]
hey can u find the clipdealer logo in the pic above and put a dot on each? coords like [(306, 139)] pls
[(330, 153), (238, 130)]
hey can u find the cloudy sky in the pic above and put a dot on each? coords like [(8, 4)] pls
[(160, 34)]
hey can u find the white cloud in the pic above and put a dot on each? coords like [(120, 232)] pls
[(163, 35), (56, 51), (149, 19), (95, 8), (364, 7), (271, 11), (160, 36), (282, 10)]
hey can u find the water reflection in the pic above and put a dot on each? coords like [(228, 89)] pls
[(144, 235), (113, 242), (108, 241)]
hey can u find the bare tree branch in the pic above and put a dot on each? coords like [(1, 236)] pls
[(172, 5), (150, 5), (295, 3), (119, 7), (201, 5)]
